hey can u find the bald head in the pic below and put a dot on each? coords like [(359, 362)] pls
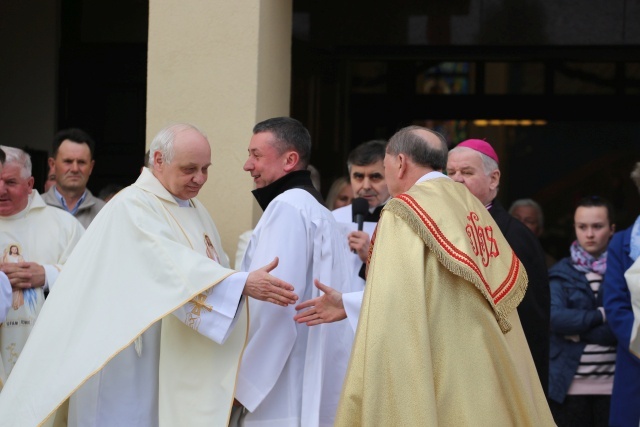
[(412, 152), (180, 159)]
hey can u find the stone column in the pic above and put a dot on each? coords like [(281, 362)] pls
[(223, 66)]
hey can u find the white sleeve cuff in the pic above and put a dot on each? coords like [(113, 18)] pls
[(51, 273), (225, 300), (352, 301)]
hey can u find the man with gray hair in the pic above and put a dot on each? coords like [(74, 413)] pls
[(439, 325), (474, 163), (36, 241), (529, 212), (147, 324)]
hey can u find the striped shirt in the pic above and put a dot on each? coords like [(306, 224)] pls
[(597, 363)]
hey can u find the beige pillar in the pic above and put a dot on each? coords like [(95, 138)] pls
[(223, 66)]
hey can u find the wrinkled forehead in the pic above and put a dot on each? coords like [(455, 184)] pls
[(69, 148), (464, 157), (191, 147), (525, 211), (266, 143), (372, 168), (13, 170)]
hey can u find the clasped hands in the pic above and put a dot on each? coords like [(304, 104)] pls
[(24, 275)]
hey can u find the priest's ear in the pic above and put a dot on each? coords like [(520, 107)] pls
[(158, 160), (494, 179), (396, 165), (291, 160), (403, 159)]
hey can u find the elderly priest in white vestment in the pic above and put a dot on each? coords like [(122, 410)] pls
[(146, 323), (36, 241), (5, 285)]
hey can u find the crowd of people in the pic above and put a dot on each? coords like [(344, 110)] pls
[(403, 298)]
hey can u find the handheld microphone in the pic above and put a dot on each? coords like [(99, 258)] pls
[(359, 209)]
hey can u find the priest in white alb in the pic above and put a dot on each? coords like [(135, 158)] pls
[(291, 375), (35, 242)]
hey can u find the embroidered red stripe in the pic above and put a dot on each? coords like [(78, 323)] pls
[(462, 257)]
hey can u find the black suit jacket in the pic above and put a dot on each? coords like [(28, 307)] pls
[(534, 310)]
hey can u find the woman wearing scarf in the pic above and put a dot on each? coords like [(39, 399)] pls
[(583, 355), (624, 250)]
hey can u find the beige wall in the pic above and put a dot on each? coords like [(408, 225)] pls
[(223, 66)]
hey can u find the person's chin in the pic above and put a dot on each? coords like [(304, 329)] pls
[(6, 210), (73, 185)]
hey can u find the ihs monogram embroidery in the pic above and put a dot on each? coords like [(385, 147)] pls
[(481, 238)]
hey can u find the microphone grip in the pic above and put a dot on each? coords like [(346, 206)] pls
[(360, 221)]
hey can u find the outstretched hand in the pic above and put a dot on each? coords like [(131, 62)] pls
[(326, 308), (265, 287)]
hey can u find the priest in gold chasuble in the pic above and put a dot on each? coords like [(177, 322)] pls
[(439, 341)]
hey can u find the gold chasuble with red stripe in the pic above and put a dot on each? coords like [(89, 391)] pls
[(439, 341)]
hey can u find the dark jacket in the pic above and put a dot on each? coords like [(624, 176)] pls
[(534, 310), (87, 210), (625, 398), (574, 311)]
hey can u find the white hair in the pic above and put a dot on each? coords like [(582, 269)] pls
[(488, 164), (163, 141), (19, 157), (531, 203)]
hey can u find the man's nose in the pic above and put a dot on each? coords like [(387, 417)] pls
[(457, 177), (200, 178), (248, 165)]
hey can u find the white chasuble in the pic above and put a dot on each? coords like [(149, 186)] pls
[(41, 234), (142, 324)]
